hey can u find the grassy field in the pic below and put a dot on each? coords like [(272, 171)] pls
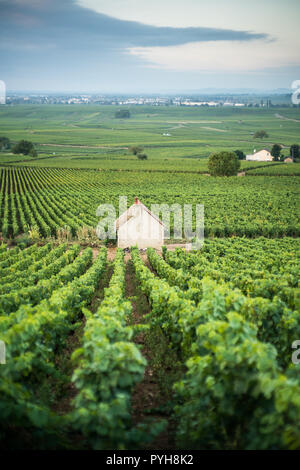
[(90, 137)]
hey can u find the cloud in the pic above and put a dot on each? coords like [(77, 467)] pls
[(58, 44), (68, 24), (218, 56)]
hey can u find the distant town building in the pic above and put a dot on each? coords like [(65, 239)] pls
[(288, 160), (2, 92), (229, 103), (261, 156), (199, 103)]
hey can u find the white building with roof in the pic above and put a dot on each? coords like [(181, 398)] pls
[(138, 226), (261, 156)]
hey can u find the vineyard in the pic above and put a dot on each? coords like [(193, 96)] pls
[(35, 323), (54, 198), (165, 349), (230, 312)]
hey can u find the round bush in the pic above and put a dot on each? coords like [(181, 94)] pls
[(223, 164)]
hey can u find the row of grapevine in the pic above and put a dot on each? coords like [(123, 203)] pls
[(52, 198), (7, 253), (37, 314), (261, 268), (234, 394), (11, 257), (61, 271), (26, 261), (109, 366), (38, 207), (3, 247), (33, 336), (277, 319), (20, 278)]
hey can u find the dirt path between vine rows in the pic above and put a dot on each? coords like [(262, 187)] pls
[(152, 397), (65, 391), (148, 401)]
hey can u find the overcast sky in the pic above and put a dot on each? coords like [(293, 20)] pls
[(129, 46)]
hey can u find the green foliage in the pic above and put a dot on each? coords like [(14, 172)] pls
[(33, 335), (170, 308), (223, 164), (43, 278), (3, 249), (23, 241), (136, 149), (25, 147), (263, 273), (229, 311), (240, 154), (33, 152), (4, 144), (276, 151), (260, 135), (15, 255), (34, 233), (295, 152), (275, 169), (67, 198), (109, 366), (122, 114), (231, 394), (234, 395), (88, 129)]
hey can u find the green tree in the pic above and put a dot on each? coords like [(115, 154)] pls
[(4, 143), (223, 164), (33, 152), (122, 114), (24, 147), (260, 135), (295, 152), (142, 156), (136, 149), (275, 152), (240, 154)]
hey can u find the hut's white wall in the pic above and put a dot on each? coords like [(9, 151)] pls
[(142, 230), (262, 156)]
